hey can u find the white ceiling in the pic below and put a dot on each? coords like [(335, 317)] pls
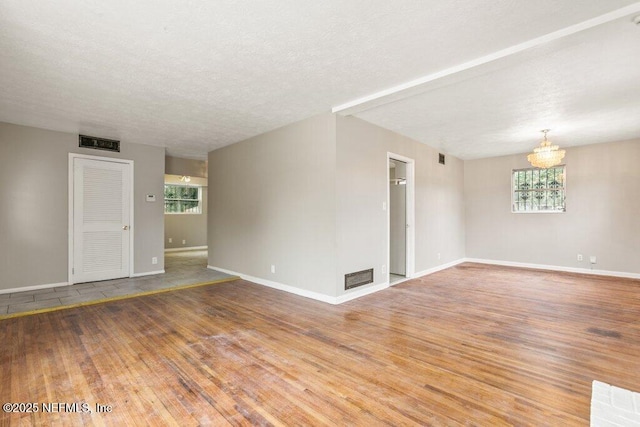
[(196, 75)]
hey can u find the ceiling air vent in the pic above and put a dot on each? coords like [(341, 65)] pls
[(359, 278), (99, 143)]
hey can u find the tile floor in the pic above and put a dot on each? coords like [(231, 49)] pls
[(181, 268)]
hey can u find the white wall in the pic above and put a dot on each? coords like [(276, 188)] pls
[(34, 168), (602, 217)]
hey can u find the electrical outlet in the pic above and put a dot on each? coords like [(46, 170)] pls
[(154, 260), (184, 242), (384, 269), (170, 240), (579, 257), (592, 259), (273, 268), (438, 255)]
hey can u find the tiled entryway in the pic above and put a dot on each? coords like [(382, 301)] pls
[(182, 268)]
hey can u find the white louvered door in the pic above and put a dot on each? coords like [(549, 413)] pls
[(101, 220)]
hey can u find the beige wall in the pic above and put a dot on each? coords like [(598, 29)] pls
[(362, 188), (179, 227), (180, 166), (189, 227), (397, 222), (34, 168), (602, 218), (275, 205), (308, 198)]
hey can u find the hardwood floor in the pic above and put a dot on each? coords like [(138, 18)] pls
[(471, 345)]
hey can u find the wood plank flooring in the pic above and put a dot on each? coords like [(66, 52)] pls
[(471, 345)]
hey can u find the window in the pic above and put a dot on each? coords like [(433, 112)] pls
[(538, 190), (179, 199)]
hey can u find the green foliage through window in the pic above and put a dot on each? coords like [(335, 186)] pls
[(539, 190), (182, 199)]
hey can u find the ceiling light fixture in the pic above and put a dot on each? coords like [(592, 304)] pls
[(546, 155)]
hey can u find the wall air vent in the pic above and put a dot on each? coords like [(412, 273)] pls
[(441, 158), (99, 143), (359, 278)]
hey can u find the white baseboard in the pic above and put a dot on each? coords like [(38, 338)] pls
[(555, 268), (280, 286), (357, 293), (148, 273), (360, 292), (350, 295), (33, 288), (189, 248), (438, 268)]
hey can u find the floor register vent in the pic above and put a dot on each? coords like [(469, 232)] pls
[(359, 278)]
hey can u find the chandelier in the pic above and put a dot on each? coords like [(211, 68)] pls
[(546, 155)]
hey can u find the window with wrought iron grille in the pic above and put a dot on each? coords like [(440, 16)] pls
[(182, 199), (538, 190)]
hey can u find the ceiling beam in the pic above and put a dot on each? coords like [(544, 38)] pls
[(476, 66)]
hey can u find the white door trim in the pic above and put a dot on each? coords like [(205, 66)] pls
[(411, 234), (72, 157)]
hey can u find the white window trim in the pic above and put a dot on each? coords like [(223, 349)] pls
[(199, 187)]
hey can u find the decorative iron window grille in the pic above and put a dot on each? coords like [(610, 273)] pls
[(538, 190)]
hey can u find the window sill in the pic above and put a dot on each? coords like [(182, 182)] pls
[(183, 213)]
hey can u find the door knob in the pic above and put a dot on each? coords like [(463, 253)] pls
[(125, 227)]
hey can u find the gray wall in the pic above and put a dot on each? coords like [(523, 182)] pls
[(362, 188), (189, 227), (397, 223), (34, 168), (275, 205), (308, 198), (602, 217), (180, 166)]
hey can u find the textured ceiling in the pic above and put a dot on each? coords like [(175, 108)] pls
[(196, 75)]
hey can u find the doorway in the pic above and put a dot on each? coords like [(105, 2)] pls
[(400, 199), (100, 218)]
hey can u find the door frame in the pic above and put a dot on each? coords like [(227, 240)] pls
[(72, 157), (410, 214)]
